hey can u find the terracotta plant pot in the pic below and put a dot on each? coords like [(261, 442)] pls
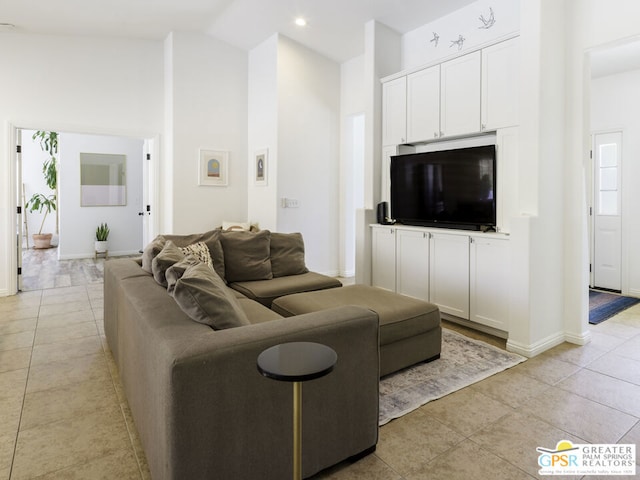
[(42, 240)]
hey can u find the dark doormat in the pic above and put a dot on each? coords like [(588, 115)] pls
[(604, 305)]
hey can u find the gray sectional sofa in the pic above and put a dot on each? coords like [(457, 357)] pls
[(200, 406)]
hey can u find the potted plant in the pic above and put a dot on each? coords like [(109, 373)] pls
[(40, 202), (102, 235)]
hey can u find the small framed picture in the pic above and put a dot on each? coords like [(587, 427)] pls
[(261, 161), (213, 168)]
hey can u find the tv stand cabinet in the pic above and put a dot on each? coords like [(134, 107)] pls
[(465, 273)]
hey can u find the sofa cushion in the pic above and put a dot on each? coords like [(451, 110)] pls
[(200, 251), (265, 291), (150, 251), (175, 271), (169, 255), (287, 254), (202, 295), (246, 256), (211, 239)]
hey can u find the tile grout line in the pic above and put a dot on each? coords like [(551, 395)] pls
[(24, 393)]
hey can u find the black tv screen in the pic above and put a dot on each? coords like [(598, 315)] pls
[(449, 188)]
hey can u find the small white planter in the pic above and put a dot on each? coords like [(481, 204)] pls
[(101, 246)]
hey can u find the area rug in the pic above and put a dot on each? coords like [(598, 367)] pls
[(463, 361), (604, 305)]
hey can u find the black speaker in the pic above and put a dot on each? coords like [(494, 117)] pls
[(383, 214)]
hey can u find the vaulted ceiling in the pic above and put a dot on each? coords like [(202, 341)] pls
[(335, 27)]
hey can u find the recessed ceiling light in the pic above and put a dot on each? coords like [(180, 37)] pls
[(301, 22)]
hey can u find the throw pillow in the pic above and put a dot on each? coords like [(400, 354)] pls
[(150, 252), (200, 251), (169, 255), (287, 254), (211, 238), (202, 295), (236, 226), (247, 256), (175, 271)]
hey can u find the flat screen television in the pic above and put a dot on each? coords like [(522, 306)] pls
[(449, 188)]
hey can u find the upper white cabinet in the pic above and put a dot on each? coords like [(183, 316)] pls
[(423, 105), (412, 263), (383, 251), (500, 85), (489, 282), (394, 112), (449, 273), (460, 95)]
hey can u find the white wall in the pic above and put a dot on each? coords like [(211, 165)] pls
[(418, 48), (263, 132), (208, 95), (615, 103), (33, 180), (352, 107), (308, 151), (88, 84), (77, 223)]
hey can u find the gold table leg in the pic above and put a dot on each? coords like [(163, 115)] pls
[(297, 430)]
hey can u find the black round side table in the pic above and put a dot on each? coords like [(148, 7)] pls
[(297, 362)]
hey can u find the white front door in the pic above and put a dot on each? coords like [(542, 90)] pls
[(607, 221)]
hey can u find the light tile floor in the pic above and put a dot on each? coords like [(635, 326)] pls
[(63, 414)]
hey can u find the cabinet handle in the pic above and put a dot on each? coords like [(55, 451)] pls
[(435, 134), (441, 133), (402, 139), (483, 127)]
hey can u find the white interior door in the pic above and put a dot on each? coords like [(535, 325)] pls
[(20, 223), (607, 221)]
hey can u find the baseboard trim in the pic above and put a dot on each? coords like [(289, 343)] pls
[(578, 339), (537, 347), (78, 256)]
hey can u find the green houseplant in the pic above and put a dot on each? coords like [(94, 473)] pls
[(102, 235), (40, 202)]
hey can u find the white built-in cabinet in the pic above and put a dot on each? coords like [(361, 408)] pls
[(460, 95), (449, 273), (469, 94), (394, 111), (383, 249), (465, 274), (500, 81), (423, 105), (412, 261), (489, 282)]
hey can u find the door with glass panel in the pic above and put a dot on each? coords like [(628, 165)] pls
[(607, 219)]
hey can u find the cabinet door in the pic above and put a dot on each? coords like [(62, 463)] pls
[(412, 263), (460, 95), (383, 263), (423, 105), (500, 80), (449, 273), (489, 285), (394, 112)]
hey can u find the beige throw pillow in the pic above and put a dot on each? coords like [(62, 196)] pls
[(202, 295), (287, 254), (247, 256), (200, 251)]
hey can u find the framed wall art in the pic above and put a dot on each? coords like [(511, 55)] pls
[(261, 166), (213, 168)]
